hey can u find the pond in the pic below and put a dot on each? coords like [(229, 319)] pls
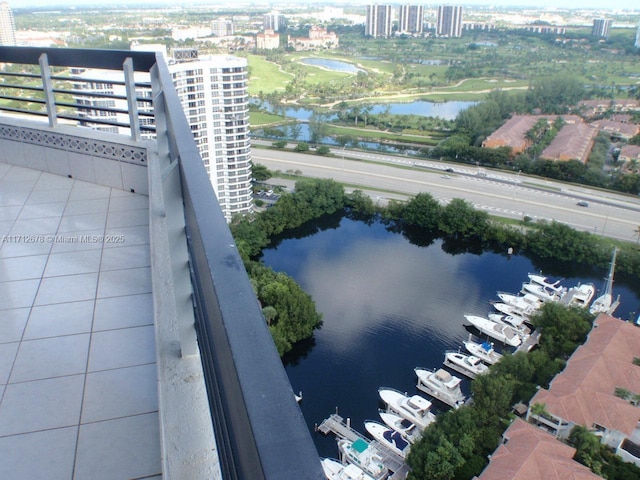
[(329, 64), (391, 304)]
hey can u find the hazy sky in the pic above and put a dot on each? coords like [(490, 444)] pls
[(617, 5)]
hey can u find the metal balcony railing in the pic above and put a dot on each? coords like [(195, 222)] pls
[(259, 429)]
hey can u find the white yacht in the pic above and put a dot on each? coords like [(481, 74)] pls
[(483, 350), (414, 409), (580, 295), (467, 365), (442, 385), (500, 331), (403, 426), (334, 470), (362, 455), (388, 438), (548, 283), (513, 311), (522, 301), (543, 293), (514, 321)]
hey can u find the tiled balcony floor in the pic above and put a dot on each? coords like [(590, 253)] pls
[(78, 381)]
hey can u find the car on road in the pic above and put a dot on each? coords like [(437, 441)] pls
[(582, 203), (450, 170)]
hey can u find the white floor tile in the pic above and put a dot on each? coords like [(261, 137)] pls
[(121, 392), (89, 221), (136, 235), (7, 357), (40, 405), (116, 283), (70, 263), (12, 324), (22, 268), (88, 205), (119, 449), (35, 229), (10, 213), (128, 218), (119, 258), (78, 240), (42, 210), (122, 312), (59, 319), (68, 288), (40, 455), (126, 347), (50, 357), (18, 294), (46, 196)]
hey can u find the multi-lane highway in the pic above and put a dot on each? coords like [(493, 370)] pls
[(515, 195)]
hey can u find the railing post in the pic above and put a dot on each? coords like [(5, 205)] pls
[(45, 72), (130, 85)]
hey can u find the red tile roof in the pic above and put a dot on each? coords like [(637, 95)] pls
[(573, 142), (583, 393), (530, 453)]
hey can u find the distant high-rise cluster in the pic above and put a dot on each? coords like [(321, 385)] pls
[(601, 27), (222, 27), (379, 21), (411, 19), (274, 21), (7, 25), (637, 44), (449, 21)]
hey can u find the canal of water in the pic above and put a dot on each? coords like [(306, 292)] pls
[(390, 304)]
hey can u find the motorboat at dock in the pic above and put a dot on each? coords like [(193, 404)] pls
[(580, 295), (388, 438), (515, 322), (483, 350), (414, 409), (401, 425), (467, 365), (334, 470), (547, 283), (499, 331), (360, 453), (441, 385)]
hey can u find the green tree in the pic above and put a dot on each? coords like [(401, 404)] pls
[(563, 329), (423, 211), (260, 173), (302, 147), (323, 150)]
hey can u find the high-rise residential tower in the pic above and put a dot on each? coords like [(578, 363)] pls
[(274, 21), (449, 22), (213, 94), (7, 25), (411, 19), (601, 27), (637, 44), (378, 23)]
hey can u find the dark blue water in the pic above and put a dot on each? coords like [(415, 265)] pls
[(447, 110), (389, 306)]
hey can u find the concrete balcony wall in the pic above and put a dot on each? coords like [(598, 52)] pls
[(87, 155)]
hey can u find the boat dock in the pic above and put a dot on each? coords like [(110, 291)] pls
[(531, 341), (335, 424)]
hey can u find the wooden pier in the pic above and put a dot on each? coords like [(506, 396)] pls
[(342, 430), (531, 341)]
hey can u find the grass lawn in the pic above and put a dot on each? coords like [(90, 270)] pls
[(265, 76), (261, 119)]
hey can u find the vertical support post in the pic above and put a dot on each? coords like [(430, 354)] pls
[(165, 196), (130, 86), (50, 101)]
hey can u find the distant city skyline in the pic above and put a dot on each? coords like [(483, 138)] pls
[(571, 4)]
